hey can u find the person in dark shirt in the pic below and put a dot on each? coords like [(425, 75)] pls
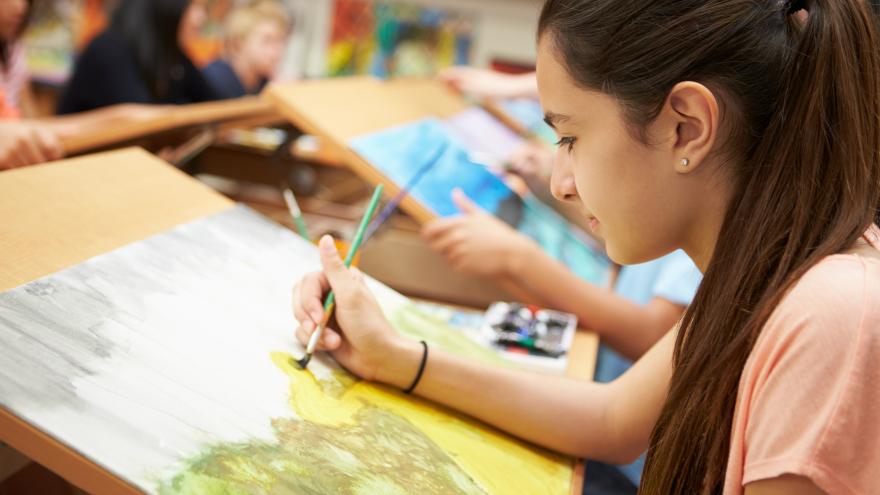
[(254, 45), (139, 59)]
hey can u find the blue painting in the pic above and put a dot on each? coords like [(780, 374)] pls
[(425, 150)]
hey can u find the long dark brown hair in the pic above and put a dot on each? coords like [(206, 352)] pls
[(800, 99), (149, 27)]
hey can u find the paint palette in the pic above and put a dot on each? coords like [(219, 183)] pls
[(528, 333)]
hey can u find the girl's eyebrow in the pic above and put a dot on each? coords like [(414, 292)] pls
[(553, 119)]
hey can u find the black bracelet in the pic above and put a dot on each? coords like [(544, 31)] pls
[(421, 369)]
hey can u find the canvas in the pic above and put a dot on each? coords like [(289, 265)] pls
[(168, 363)]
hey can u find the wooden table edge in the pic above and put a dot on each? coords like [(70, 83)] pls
[(38, 446)]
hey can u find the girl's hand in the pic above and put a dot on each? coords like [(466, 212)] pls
[(23, 144), (476, 242), (359, 337)]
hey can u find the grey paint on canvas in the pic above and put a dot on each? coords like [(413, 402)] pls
[(138, 356)]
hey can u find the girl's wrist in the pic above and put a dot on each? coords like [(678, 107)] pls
[(401, 364)]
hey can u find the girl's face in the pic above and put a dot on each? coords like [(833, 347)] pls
[(12, 14), (637, 196), (192, 21), (264, 47)]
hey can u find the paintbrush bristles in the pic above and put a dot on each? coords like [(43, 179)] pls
[(302, 363)]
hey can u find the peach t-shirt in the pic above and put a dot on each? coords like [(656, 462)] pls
[(809, 396)]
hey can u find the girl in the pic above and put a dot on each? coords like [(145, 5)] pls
[(140, 59), (746, 133)]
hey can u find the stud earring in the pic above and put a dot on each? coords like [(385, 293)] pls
[(685, 162)]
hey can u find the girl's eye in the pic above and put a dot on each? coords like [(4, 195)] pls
[(566, 141)]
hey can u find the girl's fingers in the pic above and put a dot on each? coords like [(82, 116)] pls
[(298, 311), (312, 290), (441, 227), (302, 336), (330, 340)]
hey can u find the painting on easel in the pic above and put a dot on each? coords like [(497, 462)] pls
[(168, 362)]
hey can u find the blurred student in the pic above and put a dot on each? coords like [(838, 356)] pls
[(140, 58), (256, 35), (25, 138)]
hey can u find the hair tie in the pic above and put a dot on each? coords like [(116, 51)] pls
[(794, 6)]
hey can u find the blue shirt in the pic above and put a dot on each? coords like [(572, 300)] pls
[(673, 277), (225, 82)]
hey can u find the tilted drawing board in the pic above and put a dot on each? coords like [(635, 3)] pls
[(415, 131), (146, 339), (246, 109)]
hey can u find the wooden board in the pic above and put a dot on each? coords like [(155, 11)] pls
[(177, 117), (58, 214)]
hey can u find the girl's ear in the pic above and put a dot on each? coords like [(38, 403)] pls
[(690, 120)]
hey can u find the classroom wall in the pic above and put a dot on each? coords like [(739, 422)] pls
[(503, 29)]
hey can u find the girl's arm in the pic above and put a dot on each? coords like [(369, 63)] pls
[(610, 422), (607, 422)]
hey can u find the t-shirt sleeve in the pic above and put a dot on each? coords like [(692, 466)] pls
[(678, 279), (813, 405)]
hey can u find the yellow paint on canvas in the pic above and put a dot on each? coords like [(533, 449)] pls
[(499, 463)]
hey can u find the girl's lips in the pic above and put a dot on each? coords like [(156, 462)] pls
[(594, 224)]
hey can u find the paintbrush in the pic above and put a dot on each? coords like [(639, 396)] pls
[(330, 302), (295, 212), (392, 205)]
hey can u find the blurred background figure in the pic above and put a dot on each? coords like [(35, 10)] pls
[(140, 58), (255, 39)]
